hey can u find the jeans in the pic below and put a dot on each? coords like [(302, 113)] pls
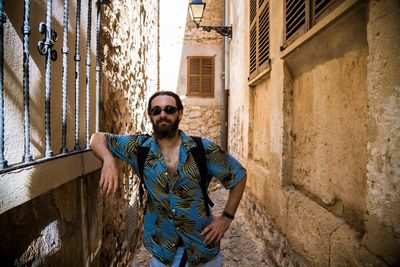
[(216, 262)]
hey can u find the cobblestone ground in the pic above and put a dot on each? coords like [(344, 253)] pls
[(237, 246)]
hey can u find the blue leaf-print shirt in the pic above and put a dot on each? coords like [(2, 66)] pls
[(175, 206)]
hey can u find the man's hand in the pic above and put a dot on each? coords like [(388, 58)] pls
[(216, 229), (109, 177)]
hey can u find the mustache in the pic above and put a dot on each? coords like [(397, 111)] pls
[(164, 120)]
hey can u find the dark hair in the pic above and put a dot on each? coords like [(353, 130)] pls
[(169, 93)]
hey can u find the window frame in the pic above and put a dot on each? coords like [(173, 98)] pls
[(311, 19), (255, 16), (201, 92)]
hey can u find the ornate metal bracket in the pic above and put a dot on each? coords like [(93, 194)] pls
[(47, 43), (223, 30)]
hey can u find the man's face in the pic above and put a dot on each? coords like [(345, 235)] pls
[(165, 125)]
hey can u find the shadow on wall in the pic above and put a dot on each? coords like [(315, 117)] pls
[(35, 233), (14, 112)]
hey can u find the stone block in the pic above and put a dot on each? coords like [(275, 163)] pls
[(310, 229), (346, 249)]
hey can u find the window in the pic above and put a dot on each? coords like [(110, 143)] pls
[(301, 15), (200, 76), (259, 37)]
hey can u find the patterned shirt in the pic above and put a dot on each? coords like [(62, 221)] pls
[(175, 205)]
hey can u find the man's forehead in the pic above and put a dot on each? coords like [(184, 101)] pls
[(163, 100)]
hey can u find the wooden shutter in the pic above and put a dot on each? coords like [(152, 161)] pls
[(263, 38), (295, 18), (259, 37), (323, 7), (301, 15), (200, 79)]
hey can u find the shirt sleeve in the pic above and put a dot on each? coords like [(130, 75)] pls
[(124, 147), (223, 166)]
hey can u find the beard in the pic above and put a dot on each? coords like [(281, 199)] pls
[(165, 131)]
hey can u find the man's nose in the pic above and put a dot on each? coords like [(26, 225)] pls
[(163, 113)]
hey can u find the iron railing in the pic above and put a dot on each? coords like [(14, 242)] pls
[(46, 48)]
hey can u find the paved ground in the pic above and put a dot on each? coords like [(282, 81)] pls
[(237, 247)]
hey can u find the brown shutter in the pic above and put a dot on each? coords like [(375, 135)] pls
[(263, 41), (295, 17), (259, 37), (200, 78), (207, 76), (194, 75), (302, 15)]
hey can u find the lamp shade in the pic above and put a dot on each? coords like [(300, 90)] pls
[(196, 10)]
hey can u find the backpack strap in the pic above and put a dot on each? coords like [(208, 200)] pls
[(199, 156), (141, 159)]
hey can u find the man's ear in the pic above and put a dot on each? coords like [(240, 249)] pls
[(180, 114)]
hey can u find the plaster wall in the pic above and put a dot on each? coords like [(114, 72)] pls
[(329, 131), (383, 97), (304, 126)]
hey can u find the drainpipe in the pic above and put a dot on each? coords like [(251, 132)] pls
[(225, 79)]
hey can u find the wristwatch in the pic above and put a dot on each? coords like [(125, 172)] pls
[(228, 215)]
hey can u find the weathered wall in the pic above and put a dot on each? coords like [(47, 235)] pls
[(130, 76), (202, 121), (47, 231), (329, 118), (382, 217), (311, 127)]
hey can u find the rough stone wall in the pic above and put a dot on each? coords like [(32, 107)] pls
[(47, 231), (202, 121), (130, 71), (382, 217)]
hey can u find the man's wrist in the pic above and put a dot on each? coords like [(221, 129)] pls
[(228, 215)]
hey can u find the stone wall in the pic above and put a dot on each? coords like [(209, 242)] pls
[(48, 230), (319, 136), (202, 121), (130, 77)]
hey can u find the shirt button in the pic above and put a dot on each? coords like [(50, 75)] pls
[(166, 173), (174, 211)]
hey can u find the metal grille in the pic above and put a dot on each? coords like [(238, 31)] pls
[(295, 16), (46, 48)]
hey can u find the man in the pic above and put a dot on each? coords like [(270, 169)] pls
[(176, 223)]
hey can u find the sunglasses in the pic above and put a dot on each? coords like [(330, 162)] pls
[(168, 109)]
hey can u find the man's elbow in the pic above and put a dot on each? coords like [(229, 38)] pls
[(95, 138)]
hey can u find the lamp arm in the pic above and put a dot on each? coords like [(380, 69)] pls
[(223, 30)]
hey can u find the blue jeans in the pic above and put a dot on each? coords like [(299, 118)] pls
[(216, 262)]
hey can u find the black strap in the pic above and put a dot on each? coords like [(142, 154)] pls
[(183, 259), (141, 159), (199, 156)]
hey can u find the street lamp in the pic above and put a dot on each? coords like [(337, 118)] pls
[(196, 8)]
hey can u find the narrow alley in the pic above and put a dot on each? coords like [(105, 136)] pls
[(301, 97)]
